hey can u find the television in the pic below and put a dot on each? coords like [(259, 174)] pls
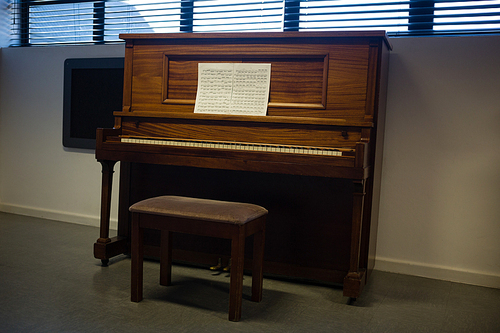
[(93, 90)]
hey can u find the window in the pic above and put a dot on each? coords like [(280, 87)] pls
[(41, 22)]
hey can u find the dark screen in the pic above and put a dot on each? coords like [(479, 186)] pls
[(93, 90), (95, 94)]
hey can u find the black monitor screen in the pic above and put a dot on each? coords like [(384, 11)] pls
[(93, 89)]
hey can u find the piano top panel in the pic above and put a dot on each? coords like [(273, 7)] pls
[(317, 76)]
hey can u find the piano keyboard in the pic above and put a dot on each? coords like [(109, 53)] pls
[(265, 147)]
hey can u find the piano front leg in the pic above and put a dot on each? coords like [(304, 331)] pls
[(356, 277), (105, 247)]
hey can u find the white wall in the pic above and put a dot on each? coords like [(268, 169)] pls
[(440, 200), (38, 176)]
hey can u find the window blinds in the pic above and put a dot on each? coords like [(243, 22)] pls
[(41, 22)]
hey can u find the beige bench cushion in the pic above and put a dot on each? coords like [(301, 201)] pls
[(200, 209)]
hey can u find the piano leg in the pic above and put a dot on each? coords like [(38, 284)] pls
[(105, 247), (356, 277)]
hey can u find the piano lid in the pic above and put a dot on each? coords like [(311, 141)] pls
[(259, 35)]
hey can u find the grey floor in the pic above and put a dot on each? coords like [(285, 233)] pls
[(50, 282)]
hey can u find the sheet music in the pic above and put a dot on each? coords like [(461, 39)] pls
[(233, 88)]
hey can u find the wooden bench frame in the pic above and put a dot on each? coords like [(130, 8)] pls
[(235, 232)]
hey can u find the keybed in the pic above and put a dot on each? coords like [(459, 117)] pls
[(243, 146)]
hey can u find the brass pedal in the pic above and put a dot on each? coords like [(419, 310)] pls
[(217, 267), (228, 267)]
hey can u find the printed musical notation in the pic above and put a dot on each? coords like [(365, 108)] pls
[(233, 88)]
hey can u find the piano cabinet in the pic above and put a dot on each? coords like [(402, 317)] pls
[(314, 161)]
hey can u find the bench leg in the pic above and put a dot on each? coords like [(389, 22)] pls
[(236, 280), (137, 255), (257, 263), (166, 258)]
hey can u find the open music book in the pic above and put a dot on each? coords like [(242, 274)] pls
[(233, 88)]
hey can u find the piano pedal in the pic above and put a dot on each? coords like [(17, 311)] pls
[(219, 269), (218, 266)]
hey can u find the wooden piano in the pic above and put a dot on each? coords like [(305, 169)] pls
[(313, 161)]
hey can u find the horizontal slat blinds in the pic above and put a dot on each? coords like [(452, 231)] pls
[(59, 22), (467, 16), (237, 15), (402, 17), (39, 22), (392, 15), (141, 17), (4, 22)]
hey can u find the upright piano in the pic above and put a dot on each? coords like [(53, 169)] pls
[(314, 161)]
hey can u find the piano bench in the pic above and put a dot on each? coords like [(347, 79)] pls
[(221, 219)]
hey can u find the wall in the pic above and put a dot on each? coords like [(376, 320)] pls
[(441, 182), (38, 176), (440, 197)]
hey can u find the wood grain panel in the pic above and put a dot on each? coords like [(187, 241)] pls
[(298, 80), (180, 79), (146, 80), (301, 84), (295, 80), (146, 92), (325, 136), (348, 80)]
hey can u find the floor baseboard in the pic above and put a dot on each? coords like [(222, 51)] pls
[(89, 220), (437, 272)]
